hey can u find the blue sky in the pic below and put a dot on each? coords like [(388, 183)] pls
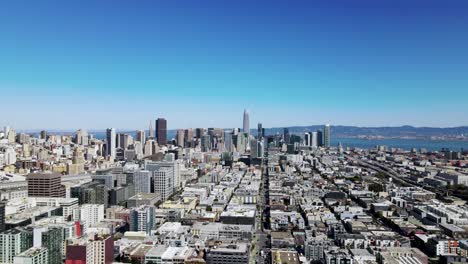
[(97, 64)]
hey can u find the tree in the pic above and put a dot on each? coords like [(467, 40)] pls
[(376, 187)]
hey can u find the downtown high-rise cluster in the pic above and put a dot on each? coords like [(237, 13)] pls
[(225, 195)]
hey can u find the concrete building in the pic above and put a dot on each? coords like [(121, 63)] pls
[(93, 249), (110, 143), (246, 122), (326, 136), (228, 254), (88, 214), (142, 219), (143, 199), (45, 185), (50, 238), (161, 131), (12, 243), (141, 136), (34, 255), (142, 181), (164, 182)]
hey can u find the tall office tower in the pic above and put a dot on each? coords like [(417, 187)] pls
[(110, 143), (142, 219), (23, 138), (81, 137), (210, 131), (12, 243), (246, 127), (260, 131), (11, 136), (138, 147), (218, 132), (94, 249), (161, 131), (242, 142), (319, 138), (45, 185), (199, 132), (6, 130), (149, 147), (307, 139), (141, 136), (151, 132), (286, 136), (88, 214), (43, 134), (119, 138), (164, 182), (188, 138), (180, 138), (228, 140), (2, 216), (52, 239), (142, 181), (326, 136), (33, 255), (124, 141), (206, 143), (261, 148), (253, 148), (314, 140)]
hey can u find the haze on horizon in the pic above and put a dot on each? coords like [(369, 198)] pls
[(70, 65)]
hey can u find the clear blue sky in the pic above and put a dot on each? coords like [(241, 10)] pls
[(97, 64)]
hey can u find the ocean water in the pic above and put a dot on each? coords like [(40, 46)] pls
[(406, 144)]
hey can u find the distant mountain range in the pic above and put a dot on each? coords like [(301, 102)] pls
[(398, 132)]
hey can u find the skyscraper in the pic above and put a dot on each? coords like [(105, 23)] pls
[(151, 132), (242, 142), (199, 132), (188, 138), (319, 138), (161, 131), (180, 138), (286, 135), (260, 131), (141, 136), (326, 136), (314, 139), (110, 141), (307, 139), (44, 134), (206, 143), (81, 137), (246, 128), (228, 140)]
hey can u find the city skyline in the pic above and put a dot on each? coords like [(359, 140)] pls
[(364, 63)]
